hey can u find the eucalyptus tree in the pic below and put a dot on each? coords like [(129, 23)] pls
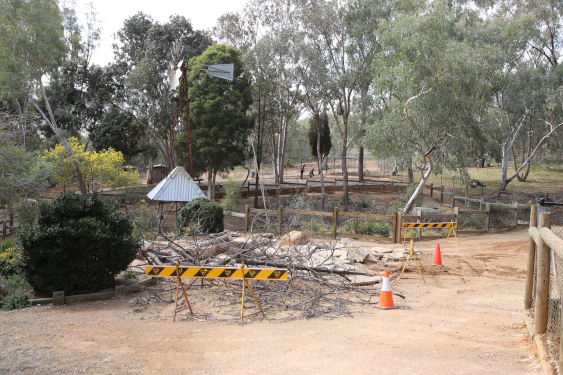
[(527, 102), (434, 83), (342, 36), (32, 46)]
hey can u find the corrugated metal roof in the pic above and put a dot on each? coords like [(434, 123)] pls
[(178, 186)]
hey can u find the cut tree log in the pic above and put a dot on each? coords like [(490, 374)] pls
[(253, 262)]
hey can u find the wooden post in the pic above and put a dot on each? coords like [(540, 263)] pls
[(466, 193), (58, 298), (442, 194), (4, 229), (394, 235), (453, 195), (542, 279), (456, 213), (481, 204), (11, 219), (280, 219), (531, 259), (120, 290), (560, 332), (334, 222), (516, 215), (399, 225), (419, 230), (432, 190), (246, 218), (488, 217)]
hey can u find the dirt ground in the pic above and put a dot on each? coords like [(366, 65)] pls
[(466, 319)]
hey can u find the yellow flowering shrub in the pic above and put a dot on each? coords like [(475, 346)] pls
[(98, 168)]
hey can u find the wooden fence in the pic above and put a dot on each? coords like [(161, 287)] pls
[(397, 219), (8, 227), (542, 296), (331, 186)]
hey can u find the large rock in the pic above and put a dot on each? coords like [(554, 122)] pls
[(295, 238), (357, 254), (381, 250)]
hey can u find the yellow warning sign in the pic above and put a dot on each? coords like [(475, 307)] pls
[(429, 225), (217, 272)]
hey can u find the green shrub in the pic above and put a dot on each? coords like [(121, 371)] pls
[(9, 258), (370, 228), (14, 294), (315, 225), (233, 193), (208, 215), (394, 206), (68, 247)]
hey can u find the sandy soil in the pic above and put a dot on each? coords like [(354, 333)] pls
[(466, 319)]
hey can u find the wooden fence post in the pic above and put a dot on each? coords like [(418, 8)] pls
[(432, 190), (399, 226), (246, 218), (12, 219), (488, 217), (335, 222), (280, 219), (531, 259), (394, 233), (481, 204), (58, 298), (419, 230), (442, 194), (465, 203), (4, 229), (542, 279), (456, 213), (516, 215)]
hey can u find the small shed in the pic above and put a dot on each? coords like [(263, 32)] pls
[(158, 173), (176, 189)]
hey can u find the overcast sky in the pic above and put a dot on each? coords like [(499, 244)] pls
[(113, 13)]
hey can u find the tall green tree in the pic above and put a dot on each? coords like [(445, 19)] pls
[(32, 46), (434, 85), (219, 119), (142, 57)]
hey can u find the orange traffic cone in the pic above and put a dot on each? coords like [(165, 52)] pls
[(386, 296), (437, 257)]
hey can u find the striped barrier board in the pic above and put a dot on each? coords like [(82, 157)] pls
[(217, 272), (429, 225)]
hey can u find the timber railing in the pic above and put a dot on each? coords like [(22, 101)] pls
[(8, 227), (544, 287), (336, 223), (331, 186)]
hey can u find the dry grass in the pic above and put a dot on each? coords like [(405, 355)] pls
[(539, 180)]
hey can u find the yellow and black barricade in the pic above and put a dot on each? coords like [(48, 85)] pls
[(450, 225), (179, 272)]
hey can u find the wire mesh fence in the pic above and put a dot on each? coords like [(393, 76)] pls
[(501, 216), (472, 222), (553, 334)]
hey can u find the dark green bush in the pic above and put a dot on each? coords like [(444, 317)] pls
[(68, 247), (208, 215)]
